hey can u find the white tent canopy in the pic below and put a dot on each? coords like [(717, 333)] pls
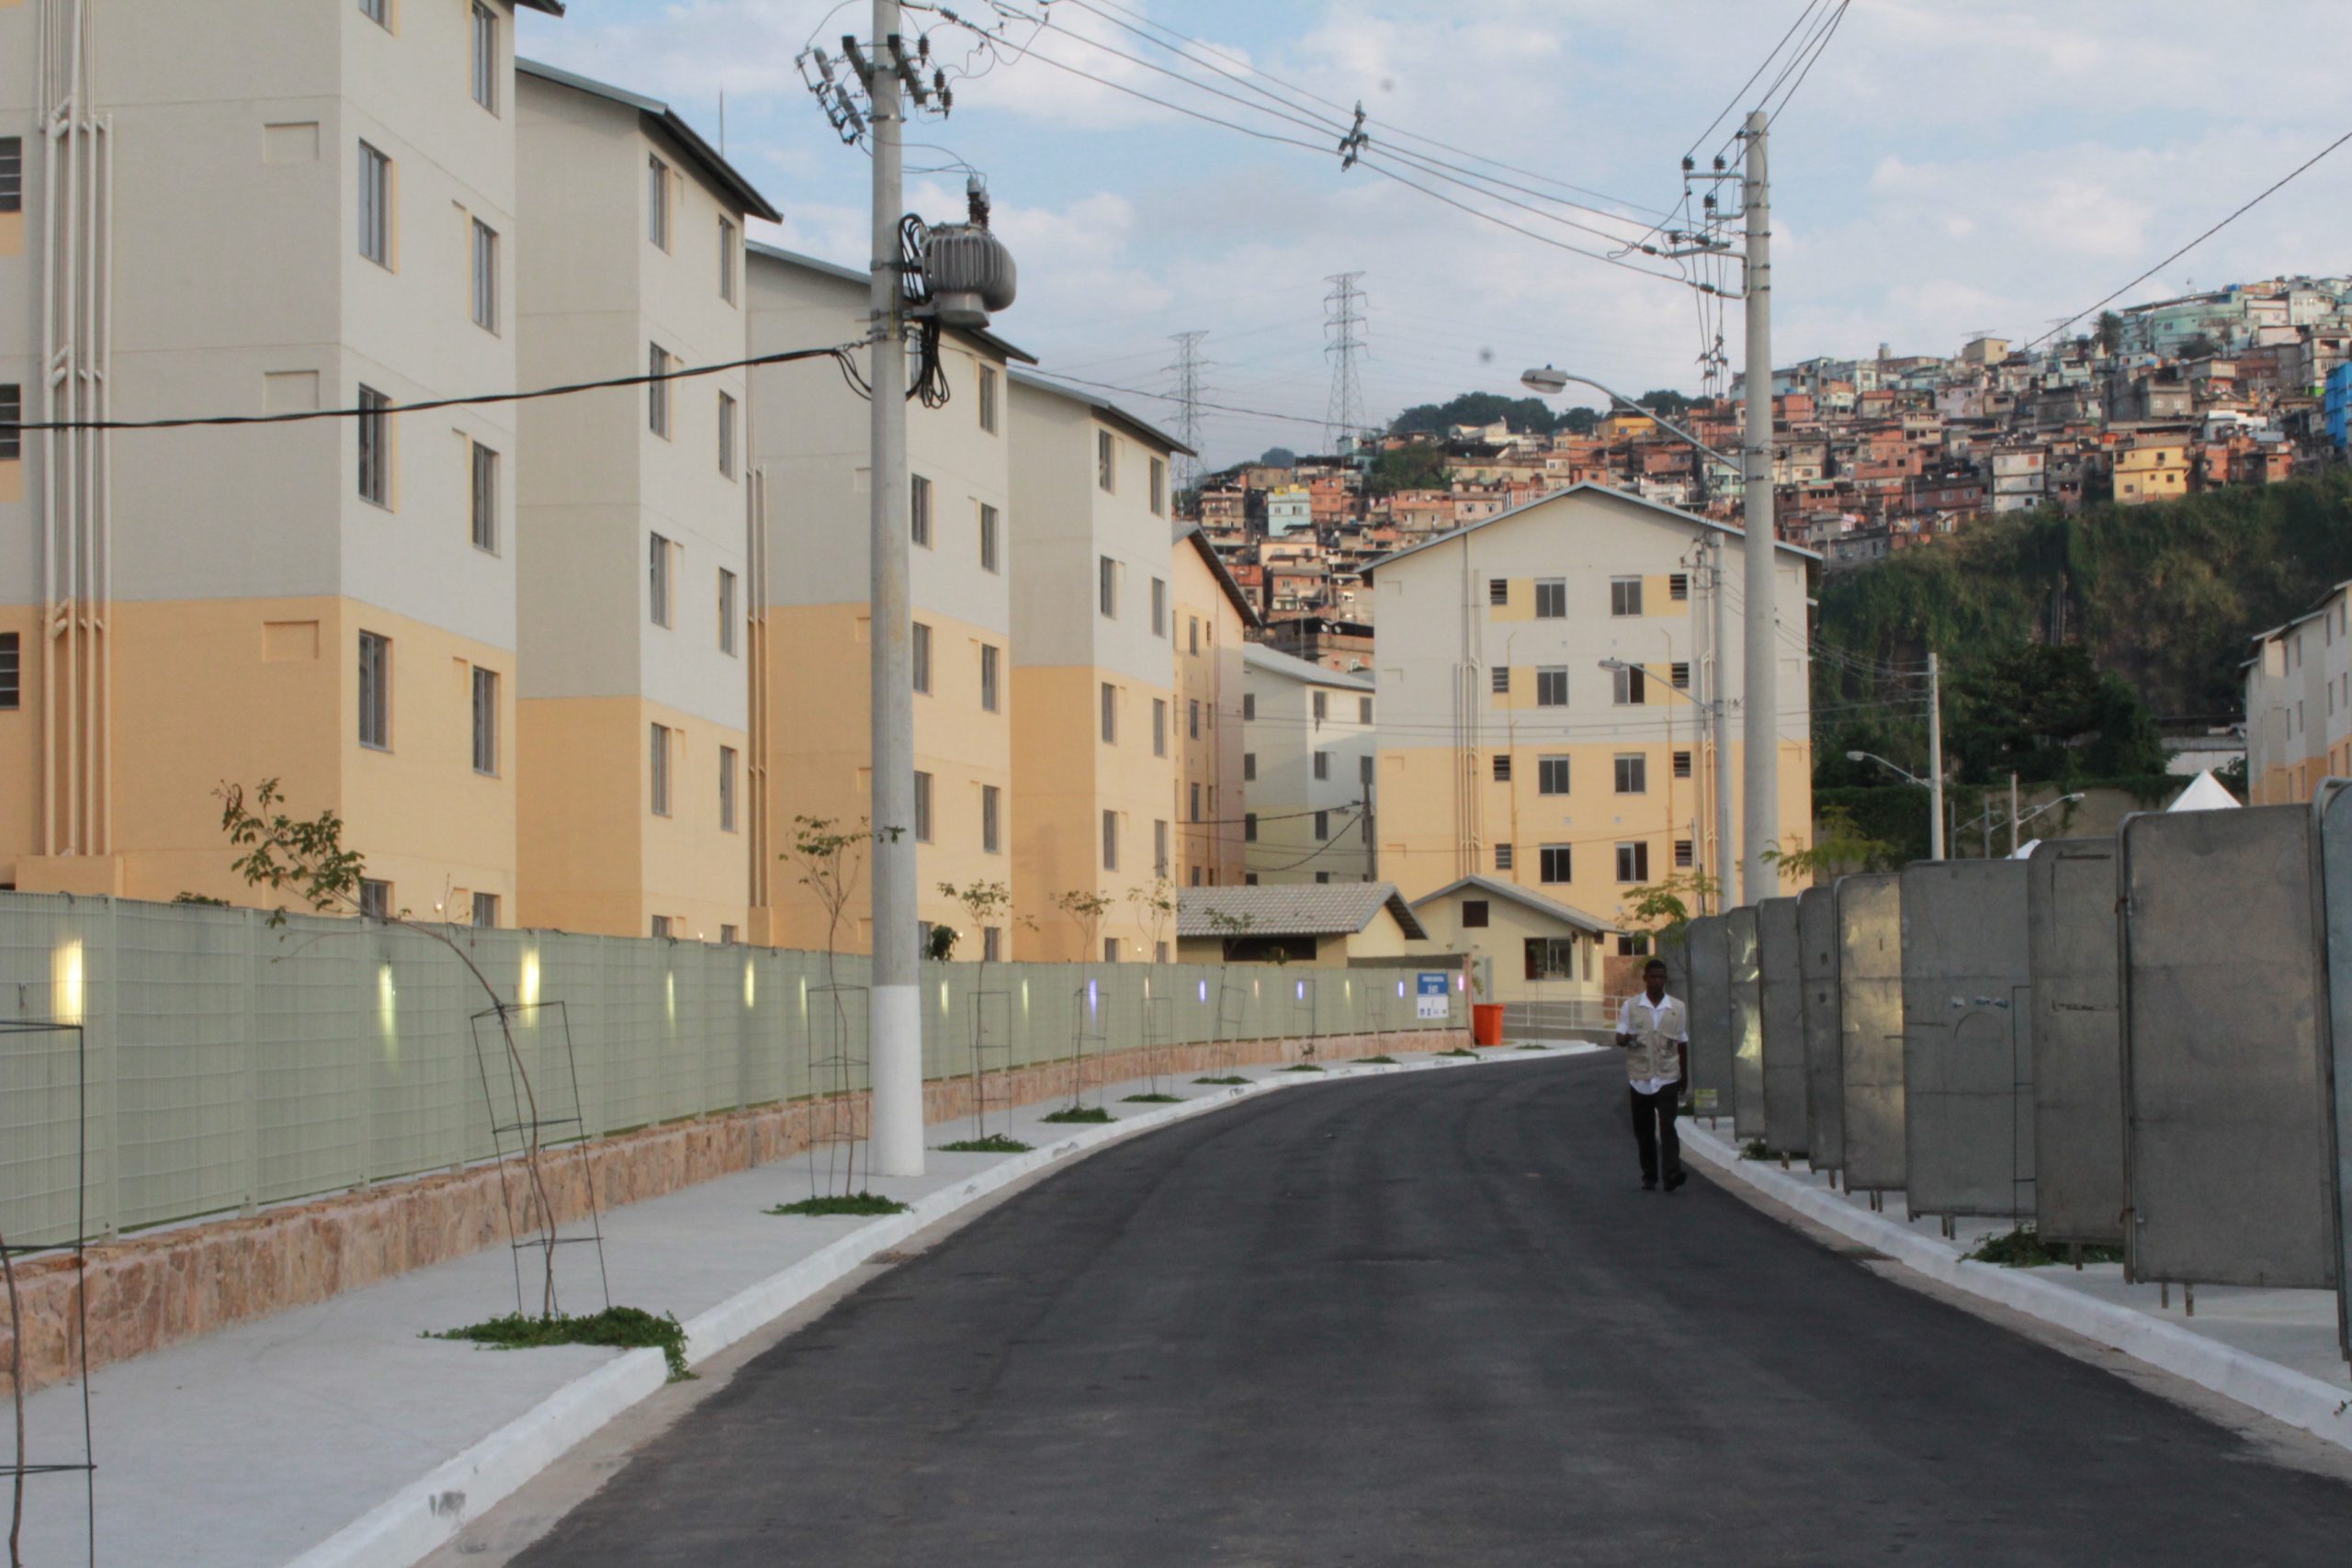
[(2205, 792)]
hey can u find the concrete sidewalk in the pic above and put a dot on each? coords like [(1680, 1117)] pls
[(334, 1434), (2273, 1349)]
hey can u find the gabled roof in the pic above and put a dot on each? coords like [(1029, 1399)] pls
[(552, 7), (853, 274), (1688, 519), (1110, 412), (1306, 908), (1191, 532), (1274, 661), (658, 114), (1521, 897)]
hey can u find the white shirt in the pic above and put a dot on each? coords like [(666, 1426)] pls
[(1627, 1024)]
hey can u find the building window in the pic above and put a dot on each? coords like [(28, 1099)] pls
[(922, 808), (1160, 727), (1322, 876), (1685, 852), (1106, 461), (1552, 776), (921, 657), (11, 671), (1679, 675), (991, 798), (991, 698), (727, 612), (12, 408), (727, 259), (1500, 678), (1551, 598), (1551, 958), (374, 206), (1249, 826), (376, 11), (657, 578), (1363, 710), (1111, 715), (992, 945), (484, 515), (987, 537), (1552, 686), (919, 511), (1502, 857), (987, 399), (375, 899), (1193, 718), (1498, 591), (1322, 764), (1107, 585), (1159, 488), (1192, 800), (1624, 595), (1248, 706), (1473, 912), (1322, 825), (657, 392), (1192, 633), (375, 692), (1110, 841), (1159, 607), (1682, 764), (726, 435), (659, 754), (727, 789), (486, 909), (485, 277), (1678, 587), (485, 684), (1502, 767), (1158, 848), (375, 424), (485, 57), (1633, 945), (1634, 862), (12, 173), (1321, 702), (660, 927), (657, 201), (1628, 687), (1553, 863), (1632, 774), (728, 936)]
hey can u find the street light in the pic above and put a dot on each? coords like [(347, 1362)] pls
[(1551, 383), (1935, 789), (2015, 822), (1718, 721)]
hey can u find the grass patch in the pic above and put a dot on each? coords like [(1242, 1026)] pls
[(1754, 1149), (1150, 1099), (994, 1144), (621, 1328), (1081, 1114), (1229, 1077), (1531, 1047), (1299, 1067), (2023, 1248), (859, 1204), (1378, 1060), (1457, 1051)]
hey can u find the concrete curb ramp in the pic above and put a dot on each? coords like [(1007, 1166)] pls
[(427, 1513), (2281, 1393)]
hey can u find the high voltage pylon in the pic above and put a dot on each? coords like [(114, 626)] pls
[(1343, 341), (1187, 397)]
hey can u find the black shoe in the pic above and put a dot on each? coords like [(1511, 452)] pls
[(1676, 1179), (1649, 1183)]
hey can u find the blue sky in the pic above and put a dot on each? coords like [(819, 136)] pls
[(1945, 167)]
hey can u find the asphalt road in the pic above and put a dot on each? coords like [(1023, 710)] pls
[(1431, 1319)]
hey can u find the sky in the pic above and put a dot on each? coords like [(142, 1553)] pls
[(1942, 169)]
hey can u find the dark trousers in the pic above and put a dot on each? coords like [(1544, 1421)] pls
[(1654, 1130)]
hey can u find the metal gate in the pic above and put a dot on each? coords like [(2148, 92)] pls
[(1781, 988), (2226, 1130), (1706, 943), (2335, 813), (1870, 1028), (2077, 1056), (1747, 1024), (1967, 1053), (1825, 1120)]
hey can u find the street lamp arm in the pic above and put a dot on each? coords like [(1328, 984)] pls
[(1550, 380), (1613, 664), (1908, 775)]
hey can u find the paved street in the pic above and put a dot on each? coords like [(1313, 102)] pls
[(1428, 1318)]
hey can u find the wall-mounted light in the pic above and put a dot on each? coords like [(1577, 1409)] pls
[(750, 985), (66, 1002), (387, 1011), (527, 991)]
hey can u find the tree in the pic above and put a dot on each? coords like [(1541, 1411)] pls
[(829, 857), (1087, 906), (1667, 401), (1579, 420), (1278, 458), (1663, 908), (2110, 332), (1531, 414), (1419, 467), (1840, 845), (2201, 345), (2049, 715), (985, 903)]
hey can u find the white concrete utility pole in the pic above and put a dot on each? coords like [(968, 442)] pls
[(1719, 708), (894, 1041), (1935, 757), (1761, 817)]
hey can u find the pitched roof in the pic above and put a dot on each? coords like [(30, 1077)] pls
[(1307, 908), (1250, 619), (1109, 411), (671, 124), (1563, 913), (854, 274), (552, 7), (1688, 519), (1273, 660)]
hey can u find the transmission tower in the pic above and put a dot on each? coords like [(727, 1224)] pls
[(1187, 397), (1343, 343)]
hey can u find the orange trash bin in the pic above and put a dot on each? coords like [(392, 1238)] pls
[(1486, 1023)]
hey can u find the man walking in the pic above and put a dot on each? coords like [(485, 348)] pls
[(1654, 1031)]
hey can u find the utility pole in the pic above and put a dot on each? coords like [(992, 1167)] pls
[(1187, 370), (1720, 710), (2013, 817), (894, 999), (1761, 666), (1935, 758)]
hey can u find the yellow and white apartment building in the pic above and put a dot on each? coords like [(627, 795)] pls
[(812, 731), (2298, 703), (1310, 746), (247, 207), (1095, 733), (632, 519), (1507, 750), (1214, 618)]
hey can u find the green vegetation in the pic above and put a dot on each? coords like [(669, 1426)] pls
[(1530, 1045), (621, 1328), (1229, 1077), (1408, 468), (1378, 1060), (2022, 1248), (860, 1204), (1150, 1099), (1754, 1149), (994, 1144), (1299, 1067), (1081, 1114), (1523, 413)]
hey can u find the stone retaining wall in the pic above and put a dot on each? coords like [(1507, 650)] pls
[(157, 1290)]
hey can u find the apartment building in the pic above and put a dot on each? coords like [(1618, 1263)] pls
[(1306, 767), (1540, 682), (630, 518), (812, 731), (1213, 618), (1093, 671), (2298, 703), (251, 207)]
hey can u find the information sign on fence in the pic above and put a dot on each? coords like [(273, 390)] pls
[(1431, 995)]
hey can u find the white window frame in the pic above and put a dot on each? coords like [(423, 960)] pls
[(1551, 598), (656, 200), (485, 56), (727, 249), (727, 433), (374, 691), (1560, 855), (919, 656), (659, 588), (659, 744), (727, 612), (987, 399), (1106, 462), (1630, 773), (485, 711), (991, 678), (991, 530), (1551, 678), (1624, 596), (729, 758), (485, 277), (992, 820), (1550, 771), (481, 523), (919, 510), (375, 185), (375, 435), (657, 392), (923, 824)]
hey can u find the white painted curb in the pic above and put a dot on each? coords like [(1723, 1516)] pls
[(427, 1513), (2279, 1392)]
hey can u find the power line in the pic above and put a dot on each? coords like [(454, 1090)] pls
[(1147, 392), (1818, 50)]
